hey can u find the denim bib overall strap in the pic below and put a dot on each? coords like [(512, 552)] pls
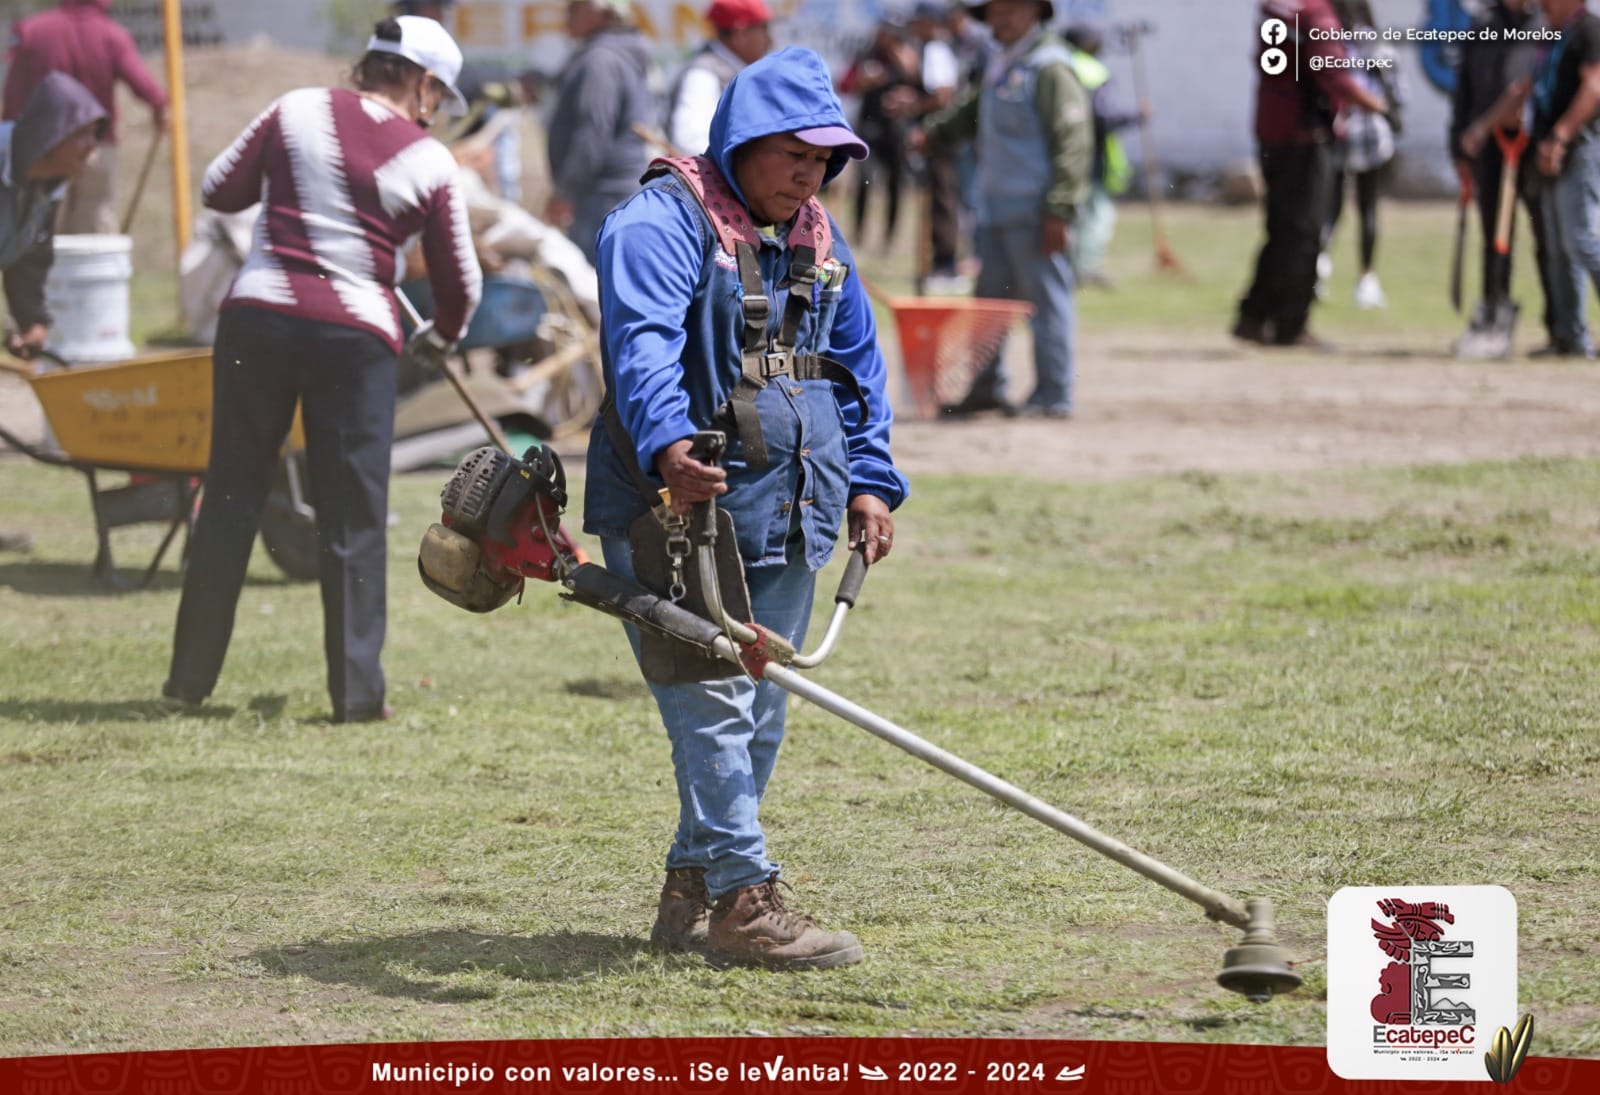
[(763, 356)]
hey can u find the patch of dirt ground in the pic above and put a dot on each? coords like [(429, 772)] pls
[(1152, 404), (1147, 403), (1158, 404)]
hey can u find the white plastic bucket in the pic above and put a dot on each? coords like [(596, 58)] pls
[(87, 292)]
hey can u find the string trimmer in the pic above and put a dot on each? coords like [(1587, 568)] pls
[(501, 525)]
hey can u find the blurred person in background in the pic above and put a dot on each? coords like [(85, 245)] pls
[(81, 39), (602, 95), (1034, 132), (1565, 142), (973, 45), (1363, 150), (1294, 136), (50, 143), (886, 76), (312, 320), (493, 97), (1489, 66), (742, 35), (939, 78), (437, 10), (1110, 174)]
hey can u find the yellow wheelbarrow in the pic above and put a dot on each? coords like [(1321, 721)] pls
[(150, 416)]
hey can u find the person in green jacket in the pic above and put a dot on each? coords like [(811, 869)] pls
[(1034, 130), (1109, 176)]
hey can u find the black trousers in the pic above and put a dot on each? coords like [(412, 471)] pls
[(344, 379), (1486, 170), (944, 208), (1366, 185), (1298, 179), (887, 165)]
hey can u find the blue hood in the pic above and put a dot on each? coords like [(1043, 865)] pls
[(783, 92)]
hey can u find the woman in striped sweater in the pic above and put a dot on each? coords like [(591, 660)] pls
[(347, 180)]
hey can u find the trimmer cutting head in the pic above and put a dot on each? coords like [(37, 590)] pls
[(1258, 968)]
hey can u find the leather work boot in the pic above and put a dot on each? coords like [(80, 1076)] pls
[(751, 927), (682, 916)]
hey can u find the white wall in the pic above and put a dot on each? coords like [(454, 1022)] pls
[(1201, 66), (1199, 57)]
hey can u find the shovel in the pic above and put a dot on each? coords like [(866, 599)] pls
[(1464, 202), (1491, 335)]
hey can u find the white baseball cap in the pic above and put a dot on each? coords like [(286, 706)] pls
[(428, 45)]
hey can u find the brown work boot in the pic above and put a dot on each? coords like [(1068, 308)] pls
[(684, 911), (751, 927)]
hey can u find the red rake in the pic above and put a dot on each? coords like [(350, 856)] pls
[(944, 341)]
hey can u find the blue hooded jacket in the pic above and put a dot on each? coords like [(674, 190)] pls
[(671, 326)]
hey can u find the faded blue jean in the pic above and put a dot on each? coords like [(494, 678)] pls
[(1015, 267), (725, 736), (1572, 240)]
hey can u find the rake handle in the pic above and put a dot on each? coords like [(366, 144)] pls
[(490, 426), (144, 177)]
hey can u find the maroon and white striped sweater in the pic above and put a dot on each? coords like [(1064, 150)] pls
[(346, 185)]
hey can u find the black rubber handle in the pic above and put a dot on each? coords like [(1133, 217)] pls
[(707, 446), (855, 572), (614, 595)]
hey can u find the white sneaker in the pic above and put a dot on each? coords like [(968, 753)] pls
[(1324, 272), (1369, 294)]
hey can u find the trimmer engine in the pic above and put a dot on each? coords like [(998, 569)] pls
[(501, 524)]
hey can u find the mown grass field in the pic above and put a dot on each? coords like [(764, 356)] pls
[(1281, 686)]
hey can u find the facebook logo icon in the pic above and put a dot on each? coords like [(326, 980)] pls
[(1274, 32)]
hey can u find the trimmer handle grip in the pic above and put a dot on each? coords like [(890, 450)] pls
[(855, 573), (707, 446)]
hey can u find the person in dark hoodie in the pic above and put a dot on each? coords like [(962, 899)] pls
[(48, 146), (81, 39), (803, 402), (41, 152), (602, 95)]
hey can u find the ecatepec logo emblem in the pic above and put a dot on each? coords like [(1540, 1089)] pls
[(1419, 978), (1412, 991)]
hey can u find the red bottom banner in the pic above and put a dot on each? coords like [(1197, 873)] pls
[(771, 1066)]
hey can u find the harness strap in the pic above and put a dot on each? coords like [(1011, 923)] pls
[(761, 355), (753, 357), (802, 282), (617, 433), (817, 367), (729, 218)]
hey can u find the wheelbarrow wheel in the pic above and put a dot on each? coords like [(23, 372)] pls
[(289, 531)]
